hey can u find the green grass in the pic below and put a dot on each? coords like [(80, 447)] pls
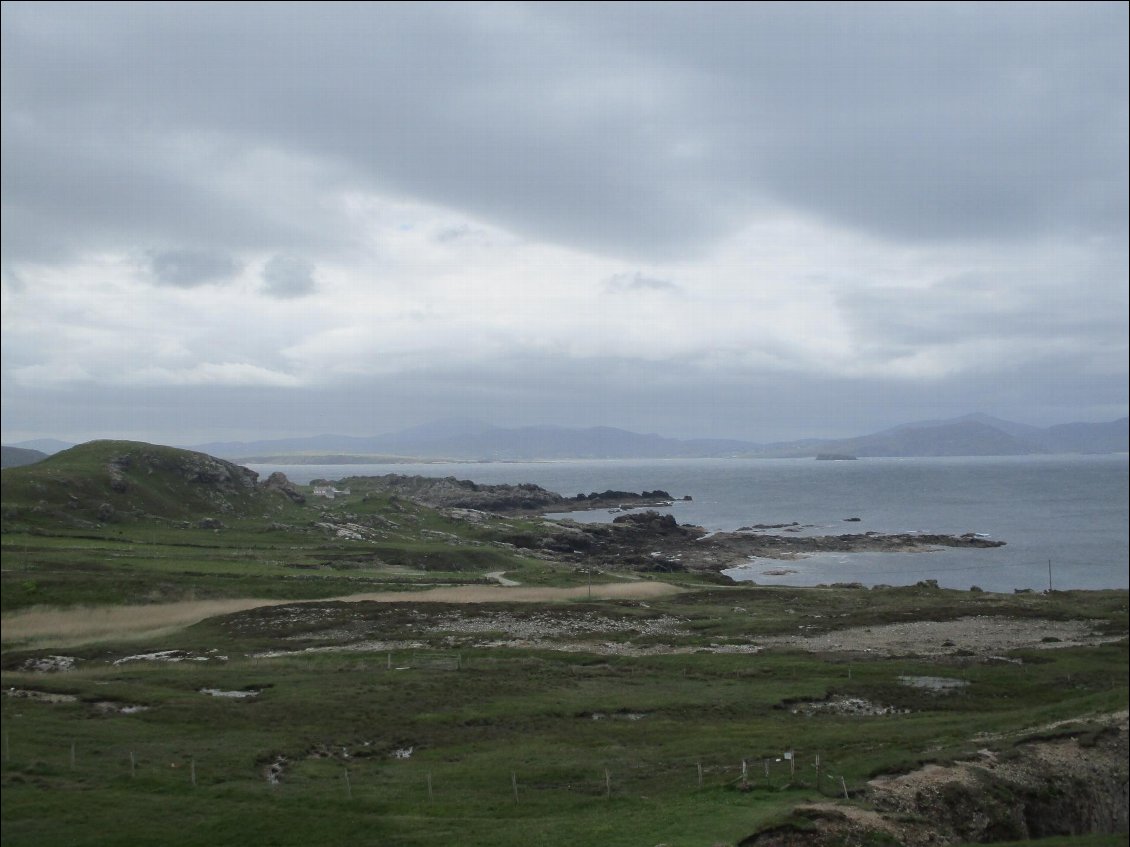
[(472, 725)]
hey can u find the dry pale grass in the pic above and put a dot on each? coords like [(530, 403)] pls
[(48, 627)]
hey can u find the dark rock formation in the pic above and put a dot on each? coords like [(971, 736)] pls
[(452, 493), (646, 539), (1070, 786), (278, 482)]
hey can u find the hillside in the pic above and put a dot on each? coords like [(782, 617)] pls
[(114, 481), (961, 438)]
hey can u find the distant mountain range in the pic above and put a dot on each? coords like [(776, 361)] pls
[(471, 441), (16, 457)]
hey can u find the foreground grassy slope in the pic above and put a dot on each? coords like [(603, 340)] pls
[(603, 750)]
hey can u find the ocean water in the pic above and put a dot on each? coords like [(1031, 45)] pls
[(1064, 518)]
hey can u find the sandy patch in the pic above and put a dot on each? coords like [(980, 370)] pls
[(84, 625)]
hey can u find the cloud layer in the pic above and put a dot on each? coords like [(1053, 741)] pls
[(577, 212)]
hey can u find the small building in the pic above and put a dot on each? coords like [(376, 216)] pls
[(329, 492)]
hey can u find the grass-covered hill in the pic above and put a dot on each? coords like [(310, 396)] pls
[(105, 482), (112, 522)]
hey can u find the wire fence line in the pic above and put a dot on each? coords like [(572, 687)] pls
[(159, 766)]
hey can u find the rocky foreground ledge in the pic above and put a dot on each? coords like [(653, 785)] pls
[(1060, 781)]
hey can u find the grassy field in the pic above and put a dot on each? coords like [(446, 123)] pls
[(556, 713), (601, 749)]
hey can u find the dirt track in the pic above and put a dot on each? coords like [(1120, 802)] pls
[(69, 627)]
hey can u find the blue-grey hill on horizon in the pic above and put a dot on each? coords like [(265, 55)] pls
[(473, 440)]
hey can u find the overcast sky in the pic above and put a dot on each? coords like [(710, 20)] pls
[(758, 221)]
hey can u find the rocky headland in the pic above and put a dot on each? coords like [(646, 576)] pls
[(655, 542), (526, 498)]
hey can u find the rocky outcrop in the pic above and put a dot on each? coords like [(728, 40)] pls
[(527, 498), (278, 482), (192, 467), (1067, 786), (452, 493)]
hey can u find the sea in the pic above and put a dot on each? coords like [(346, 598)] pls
[(1064, 519)]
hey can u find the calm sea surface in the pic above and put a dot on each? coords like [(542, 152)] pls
[(1069, 511)]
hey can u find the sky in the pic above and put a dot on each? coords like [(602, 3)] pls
[(761, 221)]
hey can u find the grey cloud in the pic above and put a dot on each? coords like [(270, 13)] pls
[(643, 130), (452, 233), (287, 277), (625, 282), (191, 268), (1083, 312)]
